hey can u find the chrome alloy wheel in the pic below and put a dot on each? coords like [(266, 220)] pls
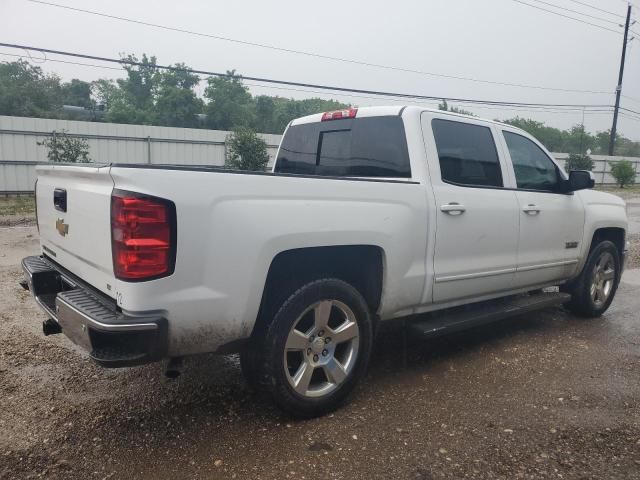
[(604, 274), (321, 348)]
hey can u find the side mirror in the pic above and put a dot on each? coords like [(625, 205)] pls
[(580, 180)]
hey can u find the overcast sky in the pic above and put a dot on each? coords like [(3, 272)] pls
[(496, 40)]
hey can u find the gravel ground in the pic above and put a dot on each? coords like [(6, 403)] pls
[(633, 260), (545, 395)]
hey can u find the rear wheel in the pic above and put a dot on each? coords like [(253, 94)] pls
[(593, 291), (317, 348)]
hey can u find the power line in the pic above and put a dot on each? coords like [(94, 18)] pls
[(630, 111), (597, 8), (310, 54), (554, 13), (577, 12), (505, 108), (513, 108), (428, 102), (297, 84), (629, 117), (64, 61)]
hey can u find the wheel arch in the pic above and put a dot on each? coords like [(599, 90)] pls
[(616, 235), (362, 266)]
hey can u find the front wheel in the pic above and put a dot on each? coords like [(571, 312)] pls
[(593, 291), (317, 348)]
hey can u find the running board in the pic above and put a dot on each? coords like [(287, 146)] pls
[(466, 316)]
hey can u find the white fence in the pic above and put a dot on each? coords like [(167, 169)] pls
[(113, 142), (108, 142), (602, 167)]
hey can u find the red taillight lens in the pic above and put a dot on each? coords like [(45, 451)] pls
[(142, 236), (338, 114)]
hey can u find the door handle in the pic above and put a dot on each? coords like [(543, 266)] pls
[(453, 208), (60, 199), (531, 209)]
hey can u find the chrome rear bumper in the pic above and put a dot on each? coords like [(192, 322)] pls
[(92, 320)]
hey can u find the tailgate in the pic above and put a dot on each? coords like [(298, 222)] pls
[(74, 220)]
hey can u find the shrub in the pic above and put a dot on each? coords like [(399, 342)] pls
[(577, 161), (65, 149), (623, 172), (246, 150)]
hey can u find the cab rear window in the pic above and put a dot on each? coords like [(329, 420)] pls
[(354, 147)]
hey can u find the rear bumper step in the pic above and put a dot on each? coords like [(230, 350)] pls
[(91, 320), (460, 318)]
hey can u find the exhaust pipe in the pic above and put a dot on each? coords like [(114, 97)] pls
[(174, 368), (51, 327)]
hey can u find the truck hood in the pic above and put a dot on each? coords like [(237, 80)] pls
[(596, 197)]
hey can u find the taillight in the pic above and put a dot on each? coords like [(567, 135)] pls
[(338, 114), (143, 236)]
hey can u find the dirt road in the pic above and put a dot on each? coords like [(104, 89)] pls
[(541, 396)]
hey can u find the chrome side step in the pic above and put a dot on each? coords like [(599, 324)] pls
[(459, 318)]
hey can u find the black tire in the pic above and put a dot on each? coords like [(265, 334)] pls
[(273, 374), (582, 303)]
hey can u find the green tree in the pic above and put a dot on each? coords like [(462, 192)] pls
[(246, 150), (265, 113), (444, 106), (578, 161), (25, 91), (104, 92), (286, 109), (63, 148), (230, 103), (623, 146), (134, 103), (77, 93), (623, 172), (627, 148), (602, 141), (176, 103), (552, 138), (577, 140)]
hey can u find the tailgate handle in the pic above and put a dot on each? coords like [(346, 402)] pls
[(60, 199)]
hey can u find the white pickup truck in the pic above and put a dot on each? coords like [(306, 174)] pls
[(369, 215)]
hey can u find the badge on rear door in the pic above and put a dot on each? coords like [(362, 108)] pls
[(62, 227)]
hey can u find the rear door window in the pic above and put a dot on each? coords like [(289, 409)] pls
[(360, 147), (467, 154)]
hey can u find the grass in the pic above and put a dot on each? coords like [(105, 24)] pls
[(615, 188), (17, 205), (626, 193)]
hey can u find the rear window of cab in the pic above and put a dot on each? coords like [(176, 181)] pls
[(351, 147)]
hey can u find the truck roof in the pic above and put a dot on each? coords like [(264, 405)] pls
[(390, 110)]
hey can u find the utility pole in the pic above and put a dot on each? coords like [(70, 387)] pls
[(612, 140)]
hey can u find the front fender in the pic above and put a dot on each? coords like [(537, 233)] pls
[(602, 210)]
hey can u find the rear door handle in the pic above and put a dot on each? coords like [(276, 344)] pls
[(531, 209), (453, 208)]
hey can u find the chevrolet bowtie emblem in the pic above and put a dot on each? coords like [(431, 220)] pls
[(62, 227)]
